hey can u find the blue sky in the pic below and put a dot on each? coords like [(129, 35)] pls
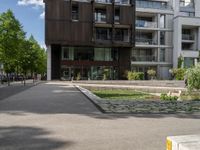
[(31, 15)]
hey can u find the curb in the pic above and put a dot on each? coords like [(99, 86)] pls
[(91, 97)]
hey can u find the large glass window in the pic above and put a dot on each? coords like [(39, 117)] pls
[(103, 34), (83, 53), (117, 15), (103, 54), (122, 35), (100, 15), (68, 53), (75, 12)]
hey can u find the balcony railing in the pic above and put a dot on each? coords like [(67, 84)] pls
[(119, 38), (187, 37), (103, 1), (103, 37), (140, 41), (187, 4), (122, 2), (145, 24), (144, 58), (117, 2), (153, 5)]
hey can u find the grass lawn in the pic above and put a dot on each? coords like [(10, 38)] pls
[(118, 94)]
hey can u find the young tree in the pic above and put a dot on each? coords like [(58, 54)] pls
[(11, 37)]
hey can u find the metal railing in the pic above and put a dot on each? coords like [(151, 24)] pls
[(187, 37), (153, 5), (103, 1), (187, 4), (141, 41), (144, 58), (146, 24)]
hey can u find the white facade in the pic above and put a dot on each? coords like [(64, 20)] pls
[(49, 62), (186, 32), (159, 38)]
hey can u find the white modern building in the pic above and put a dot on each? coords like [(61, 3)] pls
[(186, 24), (165, 30)]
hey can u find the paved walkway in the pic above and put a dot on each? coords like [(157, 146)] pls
[(56, 116)]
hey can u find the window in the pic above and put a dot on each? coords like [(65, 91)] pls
[(103, 34), (188, 62), (162, 38), (162, 55), (75, 12), (84, 53), (68, 53), (117, 15), (122, 35), (100, 15), (103, 54)]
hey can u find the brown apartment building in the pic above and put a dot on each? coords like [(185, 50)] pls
[(91, 39)]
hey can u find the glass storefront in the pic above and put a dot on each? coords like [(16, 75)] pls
[(89, 73)]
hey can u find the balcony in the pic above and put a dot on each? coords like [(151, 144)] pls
[(187, 4), (121, 35), (187, 37), (141, 41), (103, 1), (122, 2), (153, 5), (146, 58), (145, 24)]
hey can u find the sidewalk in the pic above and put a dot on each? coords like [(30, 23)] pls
[(5, 84)]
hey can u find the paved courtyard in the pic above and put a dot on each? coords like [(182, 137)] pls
[(57, 116)]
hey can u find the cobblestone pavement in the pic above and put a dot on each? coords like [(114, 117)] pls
[(57, 116)]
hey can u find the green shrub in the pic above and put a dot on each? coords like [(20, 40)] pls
[(179, 73), (135, 75), (180, 61), (166, 97), (193, 78), (151, 73)]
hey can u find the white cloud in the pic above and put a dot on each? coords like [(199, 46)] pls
[(42, 15), (31, 2), (34, 3)]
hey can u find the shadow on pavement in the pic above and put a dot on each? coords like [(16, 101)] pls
[(28, 138), (11, 90)]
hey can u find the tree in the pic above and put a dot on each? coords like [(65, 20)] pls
[(11, 35)]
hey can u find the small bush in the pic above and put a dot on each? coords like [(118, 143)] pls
[(135, 75), (151, 73), (166, 97), (193, 78), (179, 73)]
